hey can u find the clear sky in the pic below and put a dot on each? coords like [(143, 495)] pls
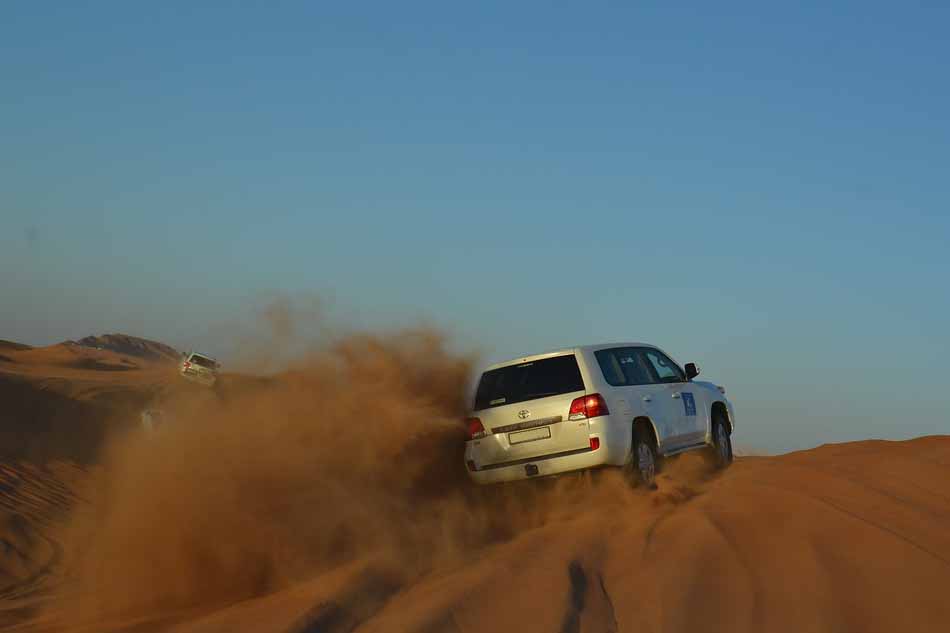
[(761, 189)]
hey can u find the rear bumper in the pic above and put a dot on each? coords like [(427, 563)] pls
[(203, 378), (564, 463)]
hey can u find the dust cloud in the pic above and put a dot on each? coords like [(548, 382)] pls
[(350, 454)]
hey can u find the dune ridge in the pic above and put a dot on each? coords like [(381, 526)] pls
[(132, 346)]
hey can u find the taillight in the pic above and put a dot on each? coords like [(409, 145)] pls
[(471, 465), (588, 407), (475, 429), (594, 443), (187, 365)]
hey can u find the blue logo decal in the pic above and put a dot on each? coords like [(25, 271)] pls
[(689, 404)]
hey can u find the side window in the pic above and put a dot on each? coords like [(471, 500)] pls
[(623, 367), (665, 369)]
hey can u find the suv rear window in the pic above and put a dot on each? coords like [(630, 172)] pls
[(528, 381), (202, 361)]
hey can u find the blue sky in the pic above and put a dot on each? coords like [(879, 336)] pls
[(760, 189)]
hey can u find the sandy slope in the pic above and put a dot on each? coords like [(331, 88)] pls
[(250, 531), (59, 402), (34, 500), (842, 538), (58, 405)]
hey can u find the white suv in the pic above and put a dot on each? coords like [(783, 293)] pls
[(622, 404), (199, 368)]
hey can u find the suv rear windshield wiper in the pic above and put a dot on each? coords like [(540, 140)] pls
[(541, 394)]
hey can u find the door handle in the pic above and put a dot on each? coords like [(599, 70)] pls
[(676, 395), (647, 399)]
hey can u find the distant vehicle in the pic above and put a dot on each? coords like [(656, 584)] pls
[(199, 368), (625, 404)]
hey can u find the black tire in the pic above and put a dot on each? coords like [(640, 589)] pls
[(644, 463), (722, 442)]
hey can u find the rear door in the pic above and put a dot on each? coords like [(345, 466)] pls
[(524, 409), (628, 370)]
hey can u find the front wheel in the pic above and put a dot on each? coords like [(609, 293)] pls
[(722, 443), (643, 463)]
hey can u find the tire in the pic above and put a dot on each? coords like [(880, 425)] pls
[(643, 465), (722, 442)]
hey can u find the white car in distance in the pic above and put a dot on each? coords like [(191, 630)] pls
[(621, 404), (199, 368)]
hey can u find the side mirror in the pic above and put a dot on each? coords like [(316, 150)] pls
[(691, 371)]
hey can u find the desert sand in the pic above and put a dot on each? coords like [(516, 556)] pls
[(331, 498)]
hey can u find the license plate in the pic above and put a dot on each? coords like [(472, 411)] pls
[(530, 435)]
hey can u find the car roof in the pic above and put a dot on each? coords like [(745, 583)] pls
[(567, 350), (202, 355)]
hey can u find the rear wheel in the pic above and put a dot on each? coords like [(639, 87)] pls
[(722, 443), (643, 463)]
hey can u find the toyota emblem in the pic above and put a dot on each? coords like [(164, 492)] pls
[(523, 414)]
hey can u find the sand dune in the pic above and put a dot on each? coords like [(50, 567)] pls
[(331, 499), (59, 402), (132, 346)]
